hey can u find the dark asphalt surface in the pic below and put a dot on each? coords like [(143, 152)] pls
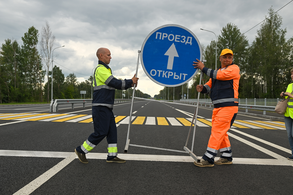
[(137, 176)]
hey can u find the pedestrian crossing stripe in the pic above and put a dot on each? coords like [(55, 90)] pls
[(46, 117), (141, 120), (119, 118), (272, 124), (69, 118), (255, 124), (205, 121), (236, 124), (162, 121), (184, 121)]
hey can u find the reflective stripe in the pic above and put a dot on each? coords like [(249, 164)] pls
[(209, 72), (94, 78), (225, 154), (95, 83), (207, 88), (215, 74), (101, 104), (290, 100), (123, 84), (112, 150), (87, 146), (103, 87), (112, 145), (290, 106), (225, 100), (225, 149), (209, 155), (109, 79), (212, 150)]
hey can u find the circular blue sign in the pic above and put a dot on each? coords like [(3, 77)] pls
[(168, 53)]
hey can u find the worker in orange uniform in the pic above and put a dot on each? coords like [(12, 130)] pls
[(223, 89)]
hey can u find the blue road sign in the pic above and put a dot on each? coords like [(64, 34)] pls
[(168, 53)]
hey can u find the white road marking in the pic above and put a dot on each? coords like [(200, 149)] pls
[(126, 120), (262, 149), (267, 125), (198, 123), (60, 117), (247, 125), (173, 121), (15, 115), (79, 119), (33, 117), (188, 113), (35, 184), (262, 141), (150, 120), (11, 123), (141, 157)]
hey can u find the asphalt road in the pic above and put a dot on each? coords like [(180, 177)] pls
[(37, 153)]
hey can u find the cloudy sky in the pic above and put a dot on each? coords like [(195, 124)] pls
[(122, 26)]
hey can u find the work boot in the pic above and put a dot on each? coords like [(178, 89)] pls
[(116, 160), (223, 161), (81, 157), (203, 163)]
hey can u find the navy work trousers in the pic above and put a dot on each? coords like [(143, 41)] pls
[(104, 125)]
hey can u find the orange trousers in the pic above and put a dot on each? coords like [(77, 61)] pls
[(222, 120)]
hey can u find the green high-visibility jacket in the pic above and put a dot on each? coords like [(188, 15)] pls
[(289, 110), (104, 84)]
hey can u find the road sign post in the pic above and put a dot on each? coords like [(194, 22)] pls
[(167, 56)]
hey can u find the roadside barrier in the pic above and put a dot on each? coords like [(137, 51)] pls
[(55, 103)]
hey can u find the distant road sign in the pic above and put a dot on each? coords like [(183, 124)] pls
[(168, 53)]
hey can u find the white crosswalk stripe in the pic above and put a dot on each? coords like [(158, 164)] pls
[(173, 121), (79, 119), (140, 120), (151, 121), (59, 117), (198, 123)]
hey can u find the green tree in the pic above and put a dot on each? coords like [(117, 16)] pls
[(31, 67), (9, 71), (270, 58), (58, 83), (71, 90), (232, 38)]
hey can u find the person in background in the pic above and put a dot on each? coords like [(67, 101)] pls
[(288, 116), (223, 89), (104, 84)]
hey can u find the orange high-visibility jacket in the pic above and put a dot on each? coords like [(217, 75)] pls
[(223, 85)]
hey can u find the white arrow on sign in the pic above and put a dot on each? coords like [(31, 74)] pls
[(172, 52)]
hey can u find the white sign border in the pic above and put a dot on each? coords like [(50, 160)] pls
[(142, 47)]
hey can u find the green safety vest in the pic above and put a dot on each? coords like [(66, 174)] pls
[(289, 110)]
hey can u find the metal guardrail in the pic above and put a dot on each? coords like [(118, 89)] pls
[(54, 104), (57, 102), (247, 107), (202, 102)]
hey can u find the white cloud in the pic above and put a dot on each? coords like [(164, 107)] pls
[(122, 26)]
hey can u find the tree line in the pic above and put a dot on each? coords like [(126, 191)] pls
[(264, 65), (22, 72)]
